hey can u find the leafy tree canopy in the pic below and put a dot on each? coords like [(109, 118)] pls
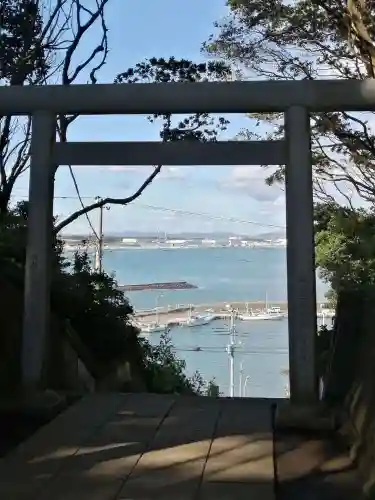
[(91, 304), (305, 39), (345, 246), (21, 52)]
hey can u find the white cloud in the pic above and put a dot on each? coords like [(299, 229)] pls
[(167, 172), (251, 181), (176, 172)]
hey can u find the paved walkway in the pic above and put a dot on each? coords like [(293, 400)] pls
[(314, 466), (143, 446)]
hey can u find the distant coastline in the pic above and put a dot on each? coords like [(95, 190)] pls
[(70, 247), (182, 241)]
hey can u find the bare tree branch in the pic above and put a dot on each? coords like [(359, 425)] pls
[(198, 127), (109, 201), (39, 41)]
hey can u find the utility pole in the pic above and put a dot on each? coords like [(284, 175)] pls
[(100, 242), (230, 351)]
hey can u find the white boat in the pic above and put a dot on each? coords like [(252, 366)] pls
[(270, 313), (262, 316), (199, 319), (153, 328)]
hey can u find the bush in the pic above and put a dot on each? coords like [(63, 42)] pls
[(99, 313)]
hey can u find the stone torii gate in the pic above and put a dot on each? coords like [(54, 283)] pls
[(294, 99)]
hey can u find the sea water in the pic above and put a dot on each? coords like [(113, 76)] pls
[(220, 275)]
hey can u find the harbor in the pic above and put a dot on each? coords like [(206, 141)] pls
[(168, 288), (162, 318)]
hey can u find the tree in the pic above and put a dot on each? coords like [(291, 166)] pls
[(305, 39), (345, 247), (39, 42), (213, 390), (165, 373), (197, 127), (89, 312)]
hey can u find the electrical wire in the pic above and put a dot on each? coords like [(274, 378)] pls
[(81, 202), (209, 216), (169, 209), (79, 197), (189, 213), (185, 212)]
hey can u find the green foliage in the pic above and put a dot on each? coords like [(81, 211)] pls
[(13, 229), (22, 55), (213, 390), (165, 372), (331, 297), (97, 310), (345, 246)]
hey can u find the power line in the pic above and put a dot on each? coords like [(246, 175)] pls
[(210, 216), (181, 212), (185, 212), (81, 201), (79, 197)]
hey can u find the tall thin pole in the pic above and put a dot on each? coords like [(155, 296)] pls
[(230, 350), (100, 242), (245, 385), (157, 307), (240, 380)]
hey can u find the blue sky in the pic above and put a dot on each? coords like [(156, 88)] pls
[(162, 28)]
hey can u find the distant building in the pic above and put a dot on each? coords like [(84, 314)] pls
[(246, 243), (234, 241)]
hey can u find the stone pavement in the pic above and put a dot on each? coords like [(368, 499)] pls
[(313, 465), (143, 446)]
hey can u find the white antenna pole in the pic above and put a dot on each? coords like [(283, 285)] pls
[(157, 307), (100, 242), (230, 350)]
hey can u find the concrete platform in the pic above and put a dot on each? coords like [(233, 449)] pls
[(143, 446), (314, 465)]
